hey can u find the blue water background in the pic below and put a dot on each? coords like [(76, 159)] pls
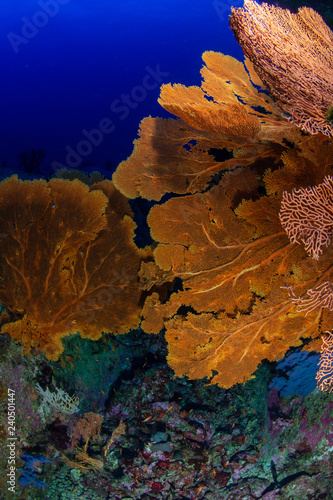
[(87, 54)]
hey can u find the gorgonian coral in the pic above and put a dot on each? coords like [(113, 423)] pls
[(68, 261)]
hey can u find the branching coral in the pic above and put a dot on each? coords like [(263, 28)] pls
[(68, 261), (59, 399), (229, 157)]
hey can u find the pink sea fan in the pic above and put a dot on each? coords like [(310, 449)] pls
[(324, 375), (321, 296), (307, 216)]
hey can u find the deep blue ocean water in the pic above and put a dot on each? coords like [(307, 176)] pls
[(70, 67)]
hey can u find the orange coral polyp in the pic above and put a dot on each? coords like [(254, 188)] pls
[(68, 261)]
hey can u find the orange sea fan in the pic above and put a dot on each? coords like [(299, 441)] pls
[(228, 103), (68, 261), (293, 55), (234, 263), (223, 239), (227, 114)]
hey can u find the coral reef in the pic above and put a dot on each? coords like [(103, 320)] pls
[(236, 285), (189, 440), (59, 399)]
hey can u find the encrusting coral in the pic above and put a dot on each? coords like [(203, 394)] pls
[(68, 261)]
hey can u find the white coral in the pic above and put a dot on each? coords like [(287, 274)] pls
[(59, 400)]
